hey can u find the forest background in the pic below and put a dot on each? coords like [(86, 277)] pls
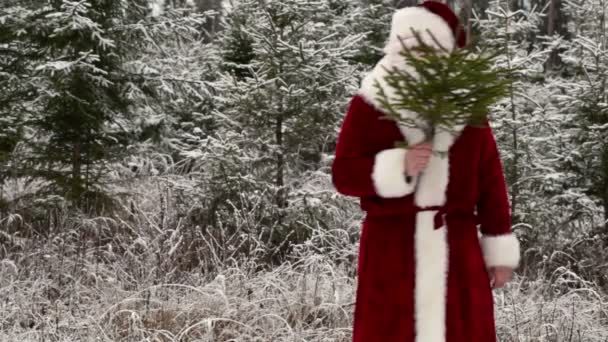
[(165, 166)]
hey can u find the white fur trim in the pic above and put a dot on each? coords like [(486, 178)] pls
[(500, 250), (422, 21), (435, 178), (388, 174), (431, 245), (431, 250), (433, 182)]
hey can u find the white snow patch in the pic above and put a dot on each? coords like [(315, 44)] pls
[(157, 7)]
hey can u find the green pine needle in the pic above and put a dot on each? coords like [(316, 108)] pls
[(445, 88)]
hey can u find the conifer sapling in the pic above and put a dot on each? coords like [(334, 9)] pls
[(444, 87)]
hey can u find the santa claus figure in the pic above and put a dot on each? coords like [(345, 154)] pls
[(425, 270)]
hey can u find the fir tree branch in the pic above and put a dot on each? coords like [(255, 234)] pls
[(445, 88)]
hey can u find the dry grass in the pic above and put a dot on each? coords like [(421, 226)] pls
[(112, 279), (310, 300)]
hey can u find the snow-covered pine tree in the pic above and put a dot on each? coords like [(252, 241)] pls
[(176, 69), (14, 62), (583, 98), (521, 122), (371, 18), (283, 92), (79, 96), (551, 132)]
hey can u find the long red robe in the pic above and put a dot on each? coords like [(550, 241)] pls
[(422, 272)]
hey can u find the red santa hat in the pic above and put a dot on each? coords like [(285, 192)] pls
[(450, 18), (430, 16)]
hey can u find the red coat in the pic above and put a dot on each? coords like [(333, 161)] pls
[(422, 272)]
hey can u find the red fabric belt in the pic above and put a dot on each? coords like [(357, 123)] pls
[(442, 214)]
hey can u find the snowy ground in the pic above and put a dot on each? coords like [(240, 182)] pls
[(47, 298), (110, 280)]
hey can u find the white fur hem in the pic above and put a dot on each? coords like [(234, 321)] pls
[(431, 249), (388, 174), (501, 250)]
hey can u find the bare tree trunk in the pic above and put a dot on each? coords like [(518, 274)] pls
[(482, 7), (603, 185), (468, 7), (604, 164), (602, 25), (552, 17), (514, 169), (605, 198), (280, 182), (553, 59), (76, 173), (211, 25)]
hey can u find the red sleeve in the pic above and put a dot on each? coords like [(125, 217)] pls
[(499, 244), (365, 162)]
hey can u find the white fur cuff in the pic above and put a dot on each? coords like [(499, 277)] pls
[(500, 250), (388, 174)]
